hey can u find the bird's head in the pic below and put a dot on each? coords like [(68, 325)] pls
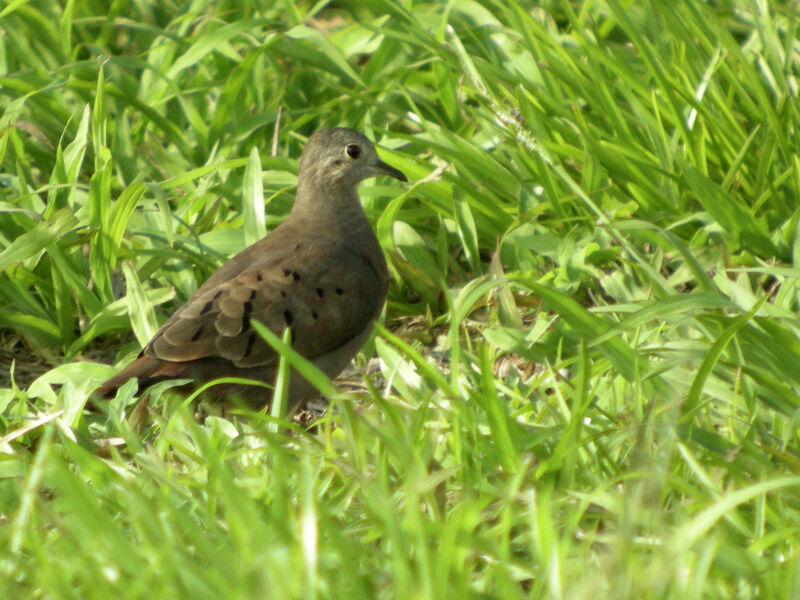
[(342, 157)]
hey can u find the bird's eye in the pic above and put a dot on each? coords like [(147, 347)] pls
[(353, 151)]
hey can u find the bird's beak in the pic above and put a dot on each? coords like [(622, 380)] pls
[(385, 169)]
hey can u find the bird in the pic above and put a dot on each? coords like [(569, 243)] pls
[(321, 273)]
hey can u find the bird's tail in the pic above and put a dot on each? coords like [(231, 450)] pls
[(146, 369)]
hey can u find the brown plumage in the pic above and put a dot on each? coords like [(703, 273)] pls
[(321, 272)]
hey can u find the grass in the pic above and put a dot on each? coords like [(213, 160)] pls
[(589, 367)]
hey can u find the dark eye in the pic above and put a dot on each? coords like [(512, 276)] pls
[(353, 151)]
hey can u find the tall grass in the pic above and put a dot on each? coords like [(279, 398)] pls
[(589, 367)]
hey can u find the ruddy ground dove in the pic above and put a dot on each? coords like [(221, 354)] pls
[(321, 273)]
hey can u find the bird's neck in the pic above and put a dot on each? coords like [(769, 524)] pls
[(335, 213), (332, 209), (337, 205)]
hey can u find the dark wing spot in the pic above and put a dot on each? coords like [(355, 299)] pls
[(197, 334), (252, 295), (250, 341), (218, 294), (248, 308), (296, 248), (259, 277), (320, 292), (314, 315), (339, 291), (296, 276), (287, 314), (209, 305), (287, 272), (283, 293)]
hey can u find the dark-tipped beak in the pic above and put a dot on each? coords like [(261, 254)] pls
[(391, 171)]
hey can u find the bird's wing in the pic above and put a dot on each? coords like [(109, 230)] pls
[(326, 293)]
